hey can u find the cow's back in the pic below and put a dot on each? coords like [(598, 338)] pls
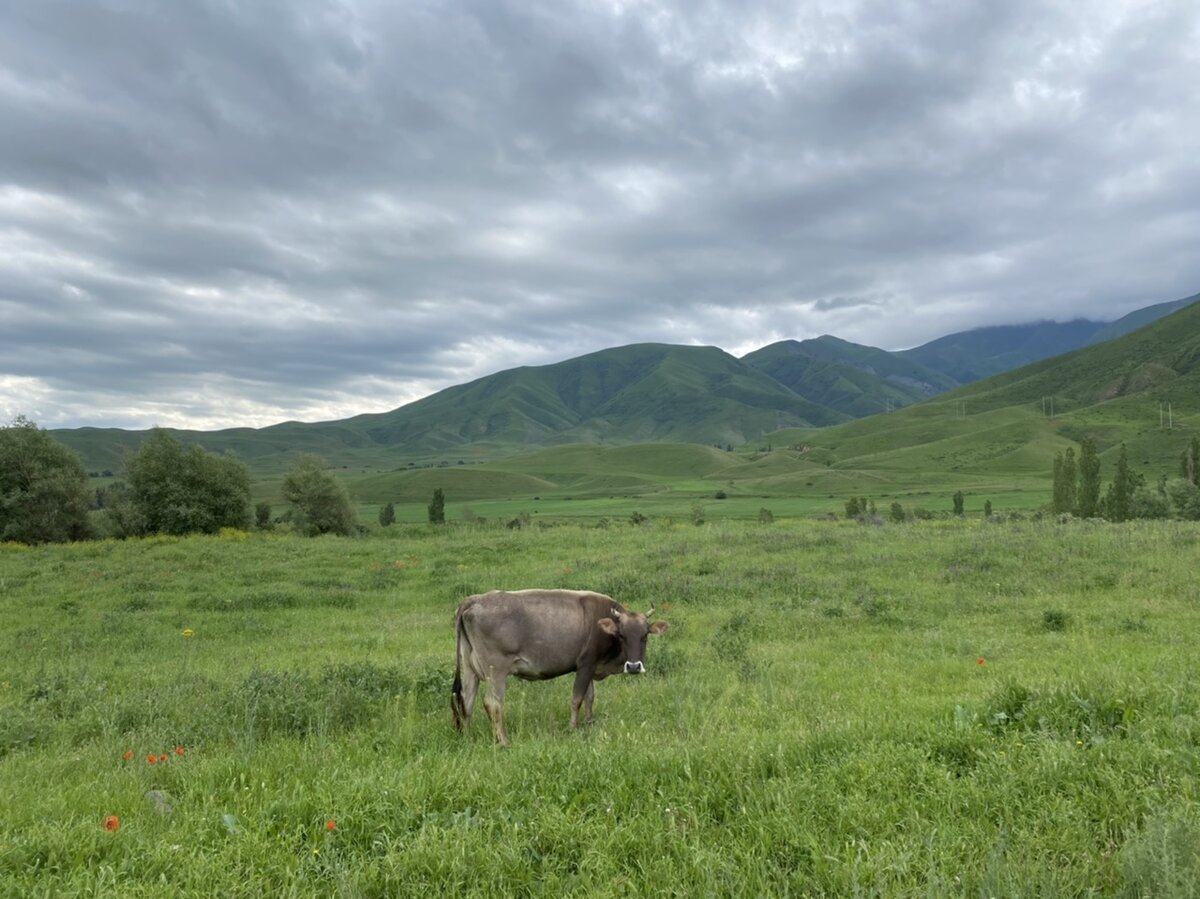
[(532, 633)]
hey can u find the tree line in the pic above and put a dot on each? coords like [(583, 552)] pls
[(1077, 487), (168, 489)]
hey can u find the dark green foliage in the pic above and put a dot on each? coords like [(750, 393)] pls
[(44, 494), (262, 515), (1065, 476), (178, 490), (959, 502), (320, 503), (1184, 497), (1087, 496), (1189, 463), (853, 509), (765, 516), (387, 515), (896, 513), (720, 494), (1091, 712), (987, 509), (1055, 620), (1118, 499), (437, 507)]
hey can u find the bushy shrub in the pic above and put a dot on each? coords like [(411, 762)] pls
[(43, 487), (320, 504), (177, 490)]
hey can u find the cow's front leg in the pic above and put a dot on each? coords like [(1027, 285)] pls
[(588, 698), (581, 692)]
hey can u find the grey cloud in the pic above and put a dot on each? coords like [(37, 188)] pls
[(285, 209)]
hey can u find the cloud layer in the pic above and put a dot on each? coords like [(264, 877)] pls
[(215, 214)]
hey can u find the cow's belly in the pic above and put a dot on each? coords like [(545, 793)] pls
[(529, 669)]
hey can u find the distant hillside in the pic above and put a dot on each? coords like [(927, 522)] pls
[(633, 394), (1160, 360), (1140, 318), (971, 355), (684, 394), (982, 352), (849, 377)]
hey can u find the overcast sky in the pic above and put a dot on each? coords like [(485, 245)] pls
[(236, 213)]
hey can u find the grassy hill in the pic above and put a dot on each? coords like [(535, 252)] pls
[(639, 427), (632, 394), (849, 377)]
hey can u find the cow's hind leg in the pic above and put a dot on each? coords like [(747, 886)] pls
[(466, 693), (493, 703)]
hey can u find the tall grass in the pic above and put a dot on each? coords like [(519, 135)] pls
[(837, 709)]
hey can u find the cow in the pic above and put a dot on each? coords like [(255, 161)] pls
[(538, 635)]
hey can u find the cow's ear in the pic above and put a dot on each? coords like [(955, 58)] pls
[(658, 627), (608, 626)]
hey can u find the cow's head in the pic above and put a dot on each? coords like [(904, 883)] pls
[(632, 630)]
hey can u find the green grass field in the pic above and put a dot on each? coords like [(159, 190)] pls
[(942, 708)]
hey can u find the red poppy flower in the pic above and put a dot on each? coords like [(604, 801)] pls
[(981, 661), (112, 823), (128, 754), (179, 750), (330, 825), (151, 758), (163, 757)]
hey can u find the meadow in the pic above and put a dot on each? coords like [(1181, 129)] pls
[(964, 707)]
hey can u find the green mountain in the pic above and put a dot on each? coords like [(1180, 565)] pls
[(854, 379), (657, 393), (1129, 390), (633, 394)]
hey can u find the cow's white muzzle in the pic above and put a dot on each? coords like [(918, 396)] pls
[(634, 667)]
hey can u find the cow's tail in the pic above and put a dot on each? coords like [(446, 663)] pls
[(461, 645)]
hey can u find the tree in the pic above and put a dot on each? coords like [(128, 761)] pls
[(437, 507), (1065, 474), (1087, 496), (44, 493), (262, 515), (387, 515), (1189, 464), (959, 501), (1121, 490), (897, 513), (320, 503), (1185, 497), (987, 509), (178, 490), (853, 509)]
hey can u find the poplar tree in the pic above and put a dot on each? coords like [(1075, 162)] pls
[(1064, 482), (387, 515), (1087, 498), (437, 507), (1190, 462), (1120, 492)]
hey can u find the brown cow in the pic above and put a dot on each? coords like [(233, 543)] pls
[(540, 634)]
